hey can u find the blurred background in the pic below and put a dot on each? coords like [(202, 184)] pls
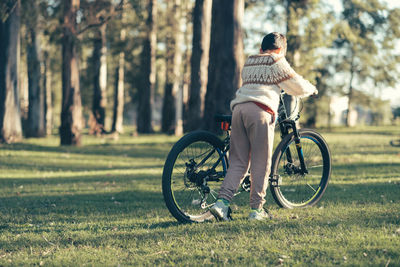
[(104, 66)]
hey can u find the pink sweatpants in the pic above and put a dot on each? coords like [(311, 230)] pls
[(252, 138)]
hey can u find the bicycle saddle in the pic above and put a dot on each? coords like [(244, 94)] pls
[(223, 118)]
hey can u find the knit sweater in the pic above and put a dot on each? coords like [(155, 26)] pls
[(264, 76)]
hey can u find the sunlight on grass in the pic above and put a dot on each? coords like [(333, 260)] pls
[(101, 204)]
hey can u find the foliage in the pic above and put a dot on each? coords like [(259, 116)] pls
[(365, 42), (6, 7), (369, 30), (101, 204)]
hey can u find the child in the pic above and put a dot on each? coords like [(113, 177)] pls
[(253, 121)]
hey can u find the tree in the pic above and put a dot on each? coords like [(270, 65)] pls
[(71, 110), (48, 93), (118, 110), (307, 31), (99, 59), (148, 66), (174, 60), (308, 26), (183, 94), (226, 58), (365, 42), (199, 62), (294, 10), (36, 123), (10, 118)]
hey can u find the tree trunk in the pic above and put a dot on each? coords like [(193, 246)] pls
[(312, 110), (199, 62), (226, 59), (183, 89), (174, 60), (48, 95), (148, 59), (350, 110), (118, 114), (100, 81), (330, 115), (10, 117), (36, 124), (293, 48), (71, 111)]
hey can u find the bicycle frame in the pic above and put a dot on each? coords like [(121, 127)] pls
[(285, 124)]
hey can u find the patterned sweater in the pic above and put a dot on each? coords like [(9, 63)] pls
[(264, 76)]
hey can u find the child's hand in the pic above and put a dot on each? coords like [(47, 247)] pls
[(315, 94)]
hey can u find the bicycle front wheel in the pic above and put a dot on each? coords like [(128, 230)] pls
[(192, 176), (291, 187)]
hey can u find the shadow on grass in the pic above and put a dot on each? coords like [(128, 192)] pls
[(98, 218), (91, 181), (392, 131), (76, 208), (141, 203), (369, 152), (369, 193), (142, 150), (73, 165), (102, 157), (362, 169)]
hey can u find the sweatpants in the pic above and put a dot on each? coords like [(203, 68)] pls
[(251, 143)]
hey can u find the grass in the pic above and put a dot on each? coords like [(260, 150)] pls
[(101, 204)]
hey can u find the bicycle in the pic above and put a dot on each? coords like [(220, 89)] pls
[(197, 163), (395, 143)]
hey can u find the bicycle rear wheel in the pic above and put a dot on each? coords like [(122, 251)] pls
[(192, 174), (289, 186)]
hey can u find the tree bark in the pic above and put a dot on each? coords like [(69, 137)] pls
[(100, 80), (10, 117), (48, 94), (174, 61), (199, 63), (226, 59), (148, 59), (71, 111), (350, 110), (118, 114), (36, 124)]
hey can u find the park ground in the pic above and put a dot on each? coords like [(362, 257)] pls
[(101, 204)]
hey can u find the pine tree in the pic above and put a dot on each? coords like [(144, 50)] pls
[(10, 118), (199, 62), (173, 65), (226, 59), (366, 47), (148, 57), (71, 112)]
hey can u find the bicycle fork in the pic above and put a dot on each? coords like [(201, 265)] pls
[(290, 166)]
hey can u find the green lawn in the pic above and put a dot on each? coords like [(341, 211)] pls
[(101, 204)]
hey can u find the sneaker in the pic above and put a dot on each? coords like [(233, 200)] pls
[(220, 211), (259, 215)]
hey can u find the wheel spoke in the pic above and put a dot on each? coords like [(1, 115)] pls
[(311, 187), (294, 190), (190, 165), (317, 166)]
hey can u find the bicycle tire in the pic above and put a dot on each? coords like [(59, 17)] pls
[(181, 196), (295, 190), (395, 143)]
